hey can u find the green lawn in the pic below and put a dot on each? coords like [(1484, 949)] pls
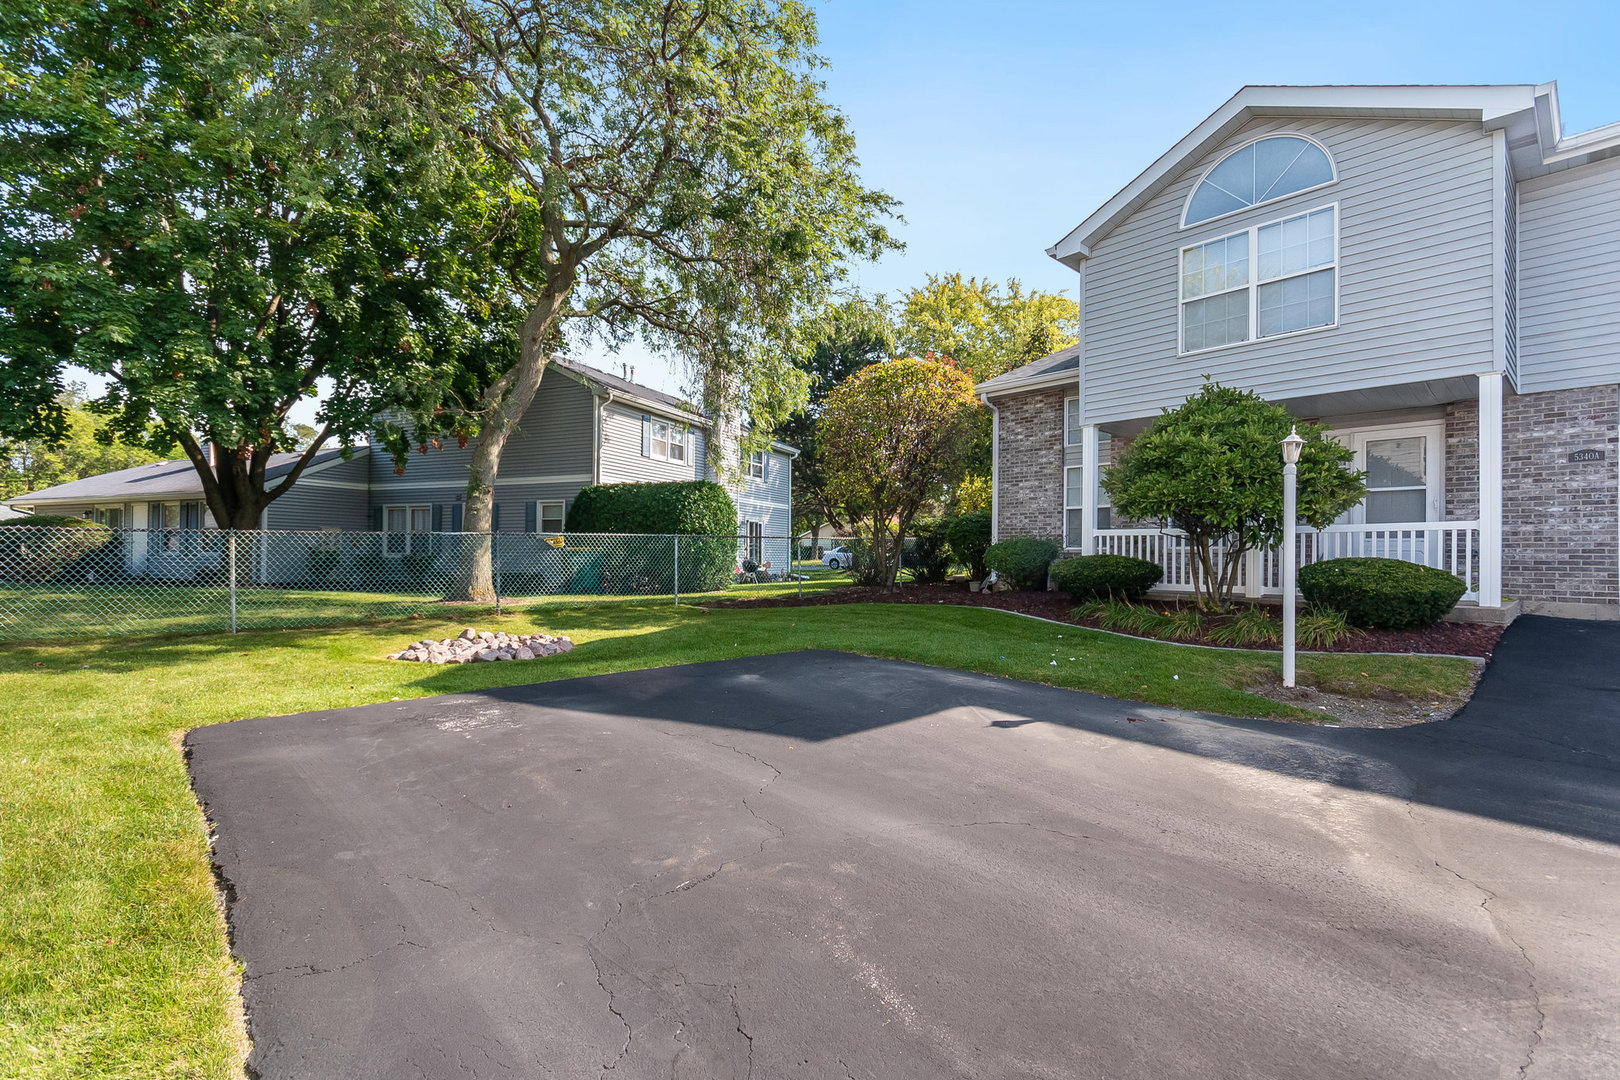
[(113, 960), (29, 613)]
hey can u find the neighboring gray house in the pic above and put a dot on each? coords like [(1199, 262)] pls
[(1430, 271), (584, 427)]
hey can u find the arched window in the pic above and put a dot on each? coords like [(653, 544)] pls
[(1264, 170)]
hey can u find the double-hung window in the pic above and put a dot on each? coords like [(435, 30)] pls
[(1280, 277), (756, 465), (668, 441), (400, 522), (549, 516)]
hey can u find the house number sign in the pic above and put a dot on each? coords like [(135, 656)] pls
[(1586, 455)]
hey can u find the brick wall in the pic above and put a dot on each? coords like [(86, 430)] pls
[(1029, 499), (1559, 519), (1462, 461)]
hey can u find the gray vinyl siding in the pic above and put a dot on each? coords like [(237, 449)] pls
[(1569, 279), (1415, 274), (547, 458), (334, 498), (767, 500), (1510, 271), (622, 459)]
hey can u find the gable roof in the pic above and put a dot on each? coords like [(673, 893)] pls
[(631, 391), (1059, 369), (1527, 113), (162, 480)]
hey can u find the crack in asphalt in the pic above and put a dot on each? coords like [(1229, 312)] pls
[(301, 971), (1023, 824), (601, 981), (737, 1011)]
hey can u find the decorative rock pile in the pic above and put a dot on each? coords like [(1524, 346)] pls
[(471, 645)]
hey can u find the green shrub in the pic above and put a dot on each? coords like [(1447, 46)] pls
[(1022, 560), (969, 538), (1321, 628), (863, 563), (44, 547), (1087, 577), (1128, 618), (1248, 626), (683, 507), (1186, 623), (1384, 594), (929, 559)]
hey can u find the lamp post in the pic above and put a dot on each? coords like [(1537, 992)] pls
[(1290, 454)]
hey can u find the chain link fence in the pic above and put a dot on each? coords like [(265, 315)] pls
[(58, 582)]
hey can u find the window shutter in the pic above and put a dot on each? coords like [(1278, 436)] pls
[(495, 517), (455, 517), (438, 517), (531, 517), (646, 435), (568, 504), (376, 519)]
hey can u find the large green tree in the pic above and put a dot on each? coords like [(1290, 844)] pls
[(220, 206), (985, 328), (1212, 467), (675, 173), (849, 336), (88, 446), (896, 434)]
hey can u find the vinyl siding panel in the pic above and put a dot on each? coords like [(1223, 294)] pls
[(1569, 279), (334, 498), (548, 457), (767, 500), (622, 461), (1416, 283)]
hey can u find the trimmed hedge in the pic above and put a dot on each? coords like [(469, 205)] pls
[(1381, 594), (45, 547), (969, 537), (682, 507), (1097, 577), (1022, 560)]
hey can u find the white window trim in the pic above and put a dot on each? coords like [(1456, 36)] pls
[(1072, 543), (1186, 204), (1254, 284), (755, 458), (407, 532), (671, 430), (540, 515), (1434, 464)]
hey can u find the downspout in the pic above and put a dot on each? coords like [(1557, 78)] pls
[(603, 399), (995, 468)]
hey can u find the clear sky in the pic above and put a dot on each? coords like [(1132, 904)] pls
[(1000, 126)]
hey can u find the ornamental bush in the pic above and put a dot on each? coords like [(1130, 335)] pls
[(44, 547), (1384, 594), (683, 507), (1022, 560), (1095, 577), (929, 559), (969, 537)]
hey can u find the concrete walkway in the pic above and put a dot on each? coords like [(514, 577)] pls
[(821, 865)]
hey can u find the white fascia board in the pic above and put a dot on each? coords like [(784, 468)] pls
[(991, 388), (1483, 103), (1555, 146)]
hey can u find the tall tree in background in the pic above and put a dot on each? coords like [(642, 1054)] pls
[(846, 338), (985, 328), (88, 447), (675, 173), (215, 206), (896, 434)]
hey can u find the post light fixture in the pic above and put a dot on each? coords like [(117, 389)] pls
[(1290, 454)]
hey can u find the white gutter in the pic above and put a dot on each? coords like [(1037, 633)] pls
[(602, 401), (995, 468)]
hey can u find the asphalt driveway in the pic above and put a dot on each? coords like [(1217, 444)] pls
[(820, 865)]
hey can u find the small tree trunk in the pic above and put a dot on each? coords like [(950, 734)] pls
[(504, 405)]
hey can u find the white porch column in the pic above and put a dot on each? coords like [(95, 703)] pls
[(1089, 443), (1490, 489)]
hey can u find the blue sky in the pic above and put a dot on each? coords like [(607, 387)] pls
[(1000, 126)]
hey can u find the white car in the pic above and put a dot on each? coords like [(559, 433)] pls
[(836, 559)]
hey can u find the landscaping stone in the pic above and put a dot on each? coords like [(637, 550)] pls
[(483, 645)]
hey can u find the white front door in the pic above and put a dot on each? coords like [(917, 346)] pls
[(1405, 467)]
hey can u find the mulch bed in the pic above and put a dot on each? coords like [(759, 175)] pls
[(1457, 639)]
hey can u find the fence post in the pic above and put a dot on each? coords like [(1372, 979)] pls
[(677, 569), (798, 575), (495, 557), (230, 545)]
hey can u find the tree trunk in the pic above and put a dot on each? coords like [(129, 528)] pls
[(504, 403)]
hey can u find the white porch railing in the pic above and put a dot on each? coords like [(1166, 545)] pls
[(1452, 546)]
